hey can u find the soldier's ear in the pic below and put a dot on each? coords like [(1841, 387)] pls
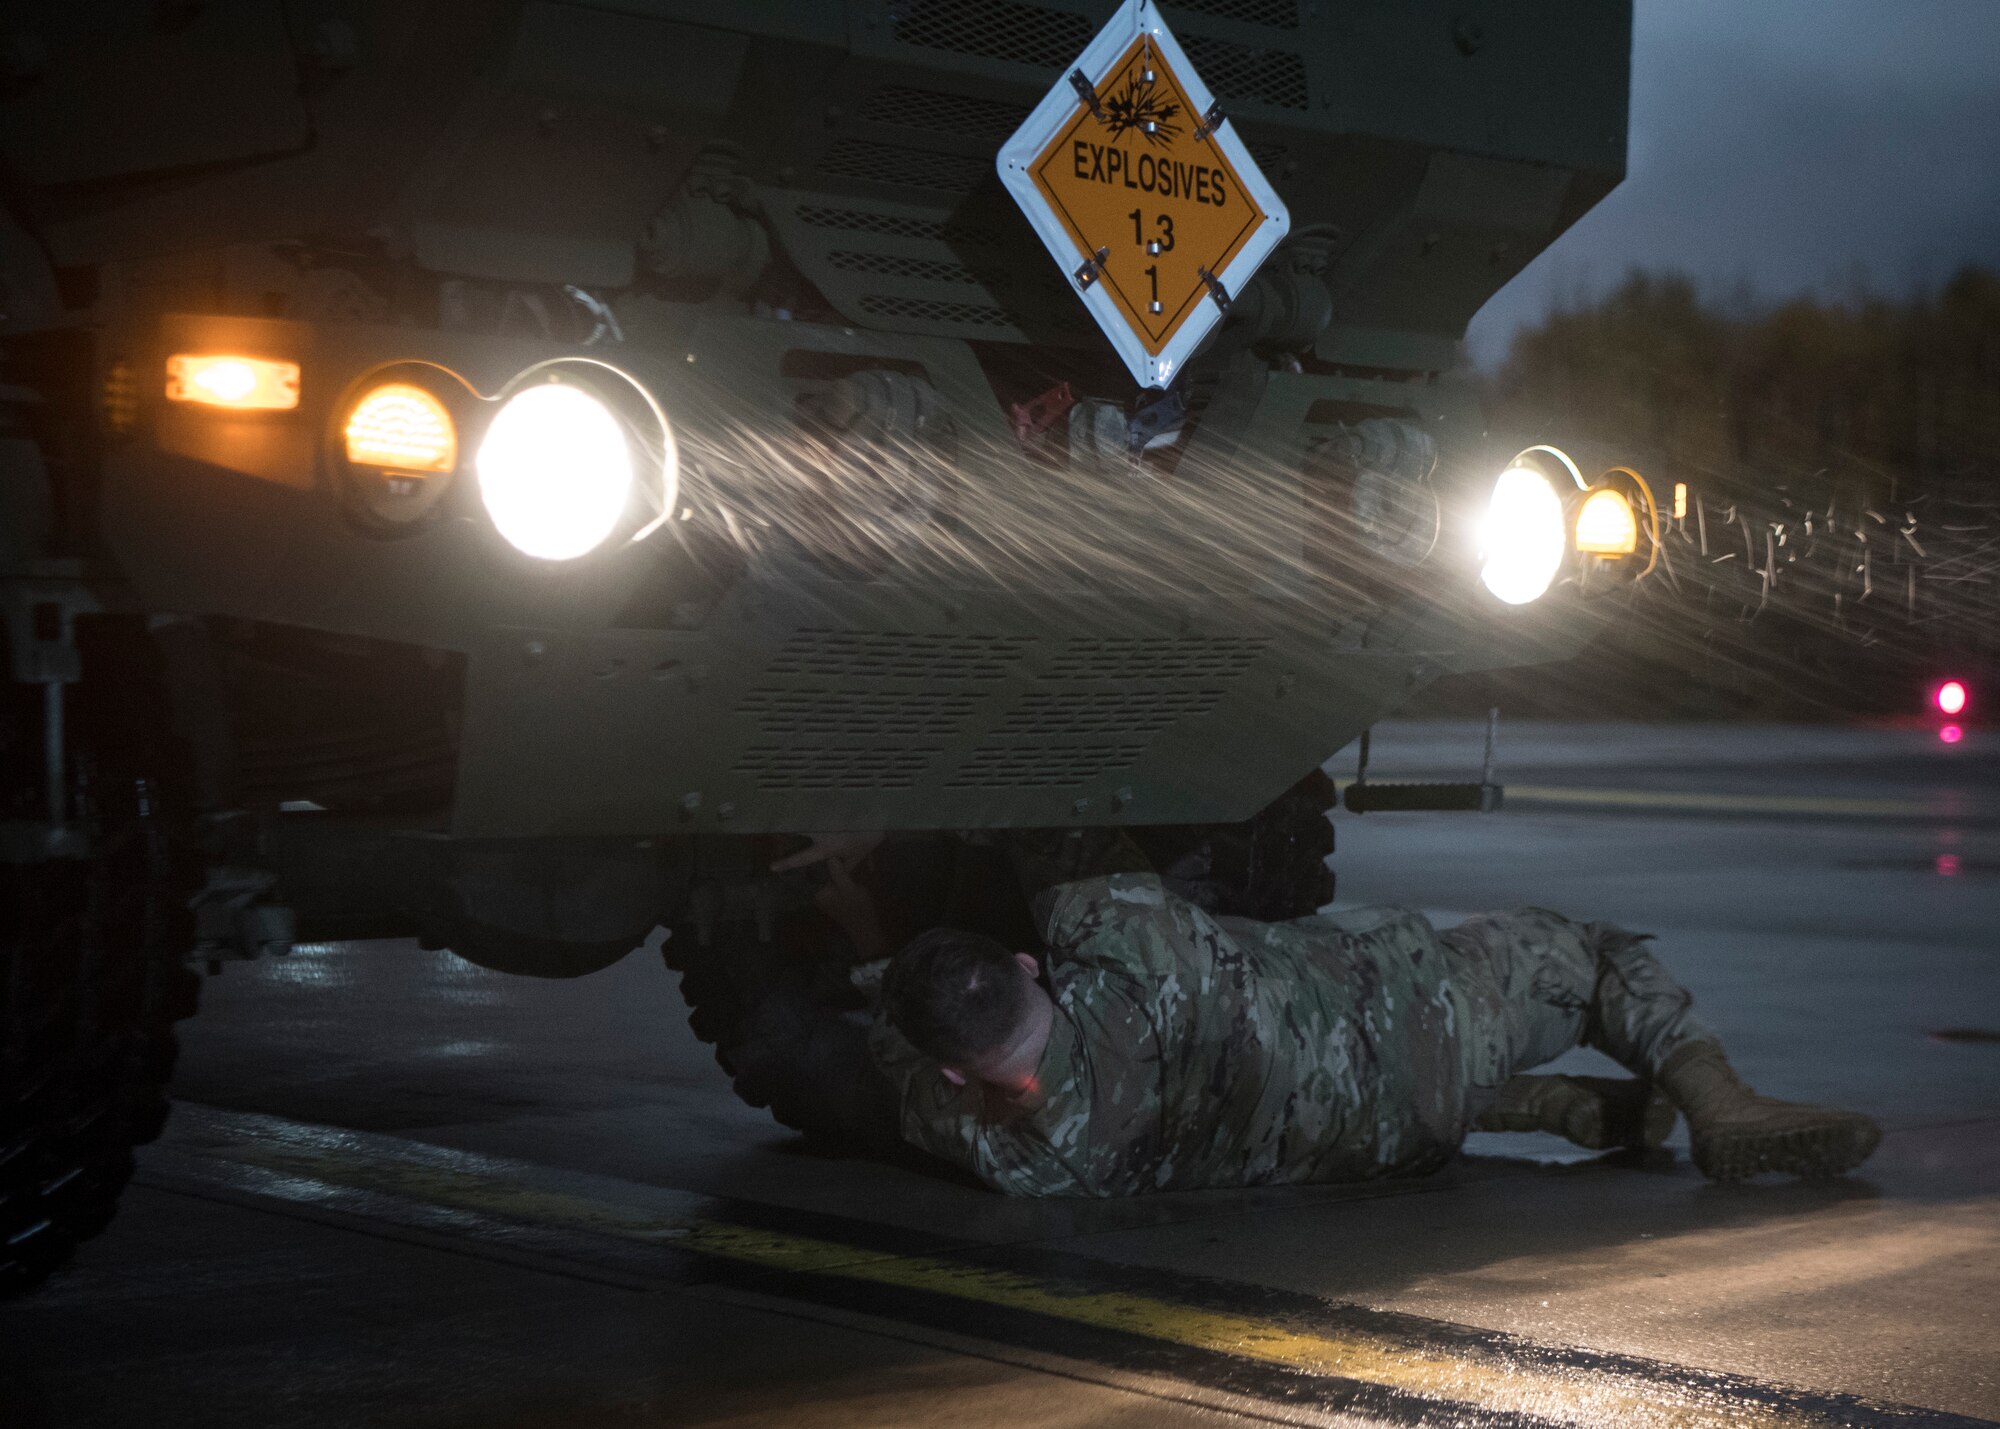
[(953, 1075), (1027, 961)]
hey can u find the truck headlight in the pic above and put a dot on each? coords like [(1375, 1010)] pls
[(1525, 536), (1606, 525), (555, 471)]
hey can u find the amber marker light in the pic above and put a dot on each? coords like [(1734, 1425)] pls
[(401, 427), (240, 384), (1606, 525)]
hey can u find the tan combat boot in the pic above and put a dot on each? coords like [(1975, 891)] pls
[(1737, 1133), (1598, 1113)]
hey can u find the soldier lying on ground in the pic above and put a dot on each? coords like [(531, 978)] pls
[(1149, 1046)]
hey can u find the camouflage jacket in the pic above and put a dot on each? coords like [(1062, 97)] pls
[(1192, 1051)]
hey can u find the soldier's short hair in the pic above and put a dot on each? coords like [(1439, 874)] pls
[(955, 995)]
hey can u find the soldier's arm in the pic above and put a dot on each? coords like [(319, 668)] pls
[(1044, 859)]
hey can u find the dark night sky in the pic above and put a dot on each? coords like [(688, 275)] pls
[(1792, 145)]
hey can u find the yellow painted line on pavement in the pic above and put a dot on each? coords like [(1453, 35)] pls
[(1491, 1382)]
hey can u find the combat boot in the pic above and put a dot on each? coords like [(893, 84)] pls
[(1598, 1113), (1737, 1133)]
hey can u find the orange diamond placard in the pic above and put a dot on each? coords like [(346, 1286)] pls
[(1139, 186)]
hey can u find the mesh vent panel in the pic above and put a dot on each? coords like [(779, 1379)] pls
[(996, 29), (898, 265), (924, 310), (1155, 658), (1238, 74), (793, 767), (910, 168), (1278, 14), (853, 220), (893, 656), (1030, 768), (1044, 713), (935, 113), (936, 714)]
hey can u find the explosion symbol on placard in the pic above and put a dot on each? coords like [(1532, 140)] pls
[(1143, 108)]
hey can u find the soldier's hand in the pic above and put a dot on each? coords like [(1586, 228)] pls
[(848, 848)]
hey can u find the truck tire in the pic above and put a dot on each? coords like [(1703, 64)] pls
[(93, 970), (1272, 866)]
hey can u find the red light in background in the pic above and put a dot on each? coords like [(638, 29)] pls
[(1947, 865), (1951, 734), (1951, 697)]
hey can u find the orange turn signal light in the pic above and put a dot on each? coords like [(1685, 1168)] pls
[(240, 384), (401, 427)]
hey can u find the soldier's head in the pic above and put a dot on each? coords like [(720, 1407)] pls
[(967, 1001)]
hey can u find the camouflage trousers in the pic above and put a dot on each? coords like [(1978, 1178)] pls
[(1533, 984)]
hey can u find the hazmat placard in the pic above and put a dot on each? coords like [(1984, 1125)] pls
[(1137, 182)]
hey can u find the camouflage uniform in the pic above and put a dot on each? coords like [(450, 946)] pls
[(1195, 1051)]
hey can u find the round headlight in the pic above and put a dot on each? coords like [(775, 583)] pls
[(555, 470), (1606, 525), (1524, 538)]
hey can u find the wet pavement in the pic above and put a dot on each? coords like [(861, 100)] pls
[(404, 1191)]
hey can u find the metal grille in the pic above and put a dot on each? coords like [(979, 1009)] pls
[(1028, 767), (835, 714), (1239, 74), (777, 768), (1195, 657), (1055, 713), (996, 29), (1278, 14), (895, 656), (910, 168), (1267, 156), (988, 120), (928, 311), (898, 265), (854, 220)]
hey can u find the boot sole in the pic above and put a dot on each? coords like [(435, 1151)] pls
[(1828, 1148)]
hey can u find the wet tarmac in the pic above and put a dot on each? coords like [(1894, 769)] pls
[(403, 1191)]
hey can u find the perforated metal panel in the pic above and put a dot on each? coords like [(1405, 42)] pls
[(901, 265), (781, 768), (1278, 14), (1067, 714), (900, 167), (900, 655), (1240, 75), (1027, 766), (1162, 658), (932, 111), (833, 714), (996, 30)]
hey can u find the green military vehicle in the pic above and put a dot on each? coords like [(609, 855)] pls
[(499, 473)]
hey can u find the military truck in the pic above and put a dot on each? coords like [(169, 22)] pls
[(497, 473)]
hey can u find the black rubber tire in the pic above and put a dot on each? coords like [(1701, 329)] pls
[(1272, 867), (93, 974)]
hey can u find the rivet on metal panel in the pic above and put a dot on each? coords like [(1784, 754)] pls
[(1081, 806), (725, 812), (689, 804), (533, 652), (1123, 798), (1287, 682)]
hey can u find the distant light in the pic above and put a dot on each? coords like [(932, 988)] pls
[(1951, 697), (1951, 734), (241, 383), (1947, 864), (1680, 500)]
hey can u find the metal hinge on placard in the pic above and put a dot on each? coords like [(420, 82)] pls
[(1215, 288), (1210, 122), (1091, 267), (1087, 92)]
